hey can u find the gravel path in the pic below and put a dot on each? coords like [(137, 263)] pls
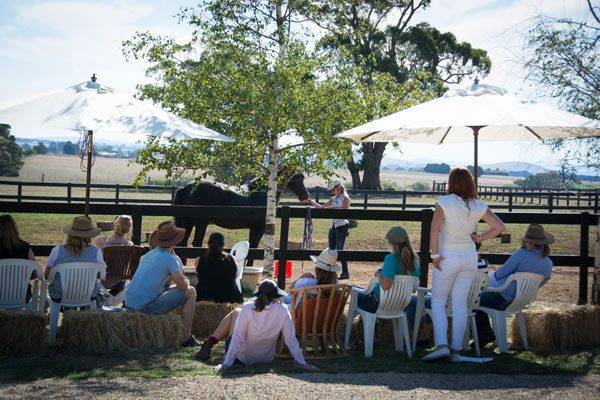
[(318, 386)]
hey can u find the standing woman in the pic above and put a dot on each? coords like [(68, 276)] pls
[(454, 257), (339, 227)]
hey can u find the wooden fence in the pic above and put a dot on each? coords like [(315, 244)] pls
[(512, 199), (583, 261)]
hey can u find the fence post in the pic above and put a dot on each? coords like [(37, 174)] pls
[(550, 202), (69, 192), (404, 200), (596, 204), (136, 216), (173, 190), (426, 217), (366, 202), (20, 191), (117, 189), (568, 199), (317, 196), (510, 202), (584, 244), (283, 245)]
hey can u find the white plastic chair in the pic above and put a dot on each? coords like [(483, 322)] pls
[(15, 275), (239, 252), (392, 304), (478, 284), (78, 280), (528, 285)]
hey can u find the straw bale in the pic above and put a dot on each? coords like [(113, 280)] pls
[(104, 332), (207, 316), (552, 329), (22, 332)]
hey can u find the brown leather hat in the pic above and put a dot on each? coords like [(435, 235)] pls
[(537, 235), (82, 227), (167, 234)]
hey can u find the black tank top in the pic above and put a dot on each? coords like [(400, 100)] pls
[(22, 251)]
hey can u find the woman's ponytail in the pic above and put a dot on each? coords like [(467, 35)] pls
[(408, 258), (261, 302)]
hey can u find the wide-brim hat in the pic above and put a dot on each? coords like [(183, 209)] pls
[(537, 235), (334, 183), (327, 260), (82, 227), (167, 235), (269, 288)]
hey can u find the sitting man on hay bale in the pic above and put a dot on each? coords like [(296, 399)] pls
[(145, 292)]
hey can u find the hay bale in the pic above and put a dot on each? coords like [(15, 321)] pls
[(22, 332), (104, 332), (207, 316), (551, 329)]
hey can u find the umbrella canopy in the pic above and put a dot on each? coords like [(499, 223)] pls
[(94, 107), (480, 112)]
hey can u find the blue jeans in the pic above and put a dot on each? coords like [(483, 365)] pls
[(489, 300), (337, 238), (165, 302), (367, 302), (411, 310)]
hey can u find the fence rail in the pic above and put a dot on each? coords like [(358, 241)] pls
[(583, 261), (511, 199)]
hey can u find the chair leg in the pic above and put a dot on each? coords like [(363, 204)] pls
[(54, 312), (417, 325), (406, 336), (369, 331), (398, 339), (499, 326), (349, 321), (475, 335), (523, 330)]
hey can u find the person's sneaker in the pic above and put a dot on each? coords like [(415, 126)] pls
[(455, 357), (190, 342), (437, 354), (344, 276), (204, 353), (485, 338)]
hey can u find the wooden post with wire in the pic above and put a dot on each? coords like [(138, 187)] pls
[(89, 134)]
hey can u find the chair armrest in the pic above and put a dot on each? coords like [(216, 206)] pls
[(358, 290), (424, 290)]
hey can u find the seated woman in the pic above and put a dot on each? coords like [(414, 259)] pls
[(254, 333), (123, 225), (77, 247), (401, 261), (532, 257), (12, 246), (216, 271)]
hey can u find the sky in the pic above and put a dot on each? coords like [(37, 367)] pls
[(47, 45)]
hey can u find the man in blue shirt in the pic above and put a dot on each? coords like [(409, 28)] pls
[(532, 257), (145, 292)]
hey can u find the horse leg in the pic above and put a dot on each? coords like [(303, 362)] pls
[(187, 224), (201, 226), (256, 233)]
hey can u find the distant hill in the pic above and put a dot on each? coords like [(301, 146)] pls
[(516, 166)]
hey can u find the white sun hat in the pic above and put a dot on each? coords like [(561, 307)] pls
[(327, 260)]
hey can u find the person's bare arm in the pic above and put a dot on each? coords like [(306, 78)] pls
[(434, 239), (385, 283), (495, 223), (30, 255), (180, 281), (346, 203)]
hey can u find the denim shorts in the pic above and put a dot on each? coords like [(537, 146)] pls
[(165, 302)]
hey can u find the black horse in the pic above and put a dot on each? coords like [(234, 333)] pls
[(208, 194)]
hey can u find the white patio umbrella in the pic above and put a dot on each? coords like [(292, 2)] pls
[(481, 112), (94, 108)]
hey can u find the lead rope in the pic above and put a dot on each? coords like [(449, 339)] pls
[(307, 242)]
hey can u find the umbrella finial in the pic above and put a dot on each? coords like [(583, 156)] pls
[(93, 78), (476, 80)]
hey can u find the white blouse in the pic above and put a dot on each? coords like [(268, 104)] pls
[(460, 220)]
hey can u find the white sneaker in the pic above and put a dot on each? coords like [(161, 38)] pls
[(437, 354)]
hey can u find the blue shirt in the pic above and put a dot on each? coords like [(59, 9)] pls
[(391, 268), (147, 284), (523, 260)]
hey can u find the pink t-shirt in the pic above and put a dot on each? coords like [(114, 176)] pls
[(103, 241)]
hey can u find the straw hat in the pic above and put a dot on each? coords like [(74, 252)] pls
[(535, 234), (327, 260), (270, 289), (82, 227), (167, 234)]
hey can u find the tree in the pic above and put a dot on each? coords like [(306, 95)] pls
[(543, 180), (53, 147), (567, 174), (70, 149), (480, 170), (375, 36), (252, 80), (40, 148), (433, 168), (10, 153), (565, 59)]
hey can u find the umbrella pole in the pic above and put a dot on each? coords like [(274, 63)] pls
[(90, 148), (476, 160)]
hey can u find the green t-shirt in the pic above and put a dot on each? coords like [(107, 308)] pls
[(391, 268)]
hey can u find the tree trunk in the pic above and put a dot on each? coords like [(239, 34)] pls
[(373, 154), (354, 173), (271, 207), (596, 276)]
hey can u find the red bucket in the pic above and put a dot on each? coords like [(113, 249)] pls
[(288, 269)]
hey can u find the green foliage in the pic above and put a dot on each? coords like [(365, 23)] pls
[(391, 185), (565, 59), (543, 180), (480, 170), (70, 149), (433, 168), (40, 148), (10, 153), (421, 185)]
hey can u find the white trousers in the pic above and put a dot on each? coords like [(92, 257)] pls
[(457, 271)]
